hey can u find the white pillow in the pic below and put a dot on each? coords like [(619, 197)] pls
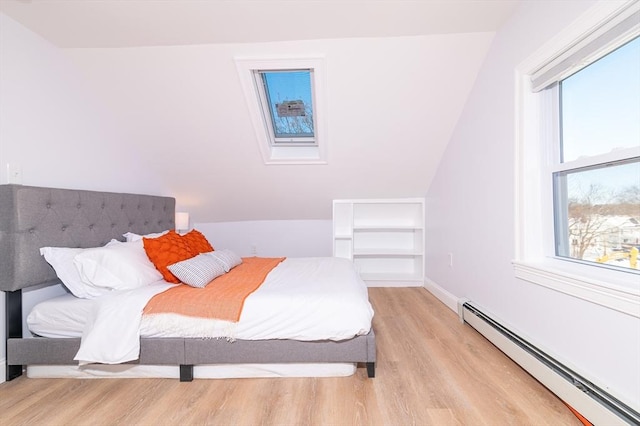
[(131, 237), (117, 266), (61, 259), (228, 258), (197, 271)]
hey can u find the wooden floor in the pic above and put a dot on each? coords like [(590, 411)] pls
[(431, 370)]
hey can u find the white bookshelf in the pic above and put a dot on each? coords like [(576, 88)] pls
[(383, 237)]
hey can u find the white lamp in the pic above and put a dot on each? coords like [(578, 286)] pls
[(182, 221)]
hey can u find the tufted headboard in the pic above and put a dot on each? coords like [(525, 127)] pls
[(34, 217)]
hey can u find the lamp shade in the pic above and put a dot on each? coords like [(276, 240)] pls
[(182, 221)]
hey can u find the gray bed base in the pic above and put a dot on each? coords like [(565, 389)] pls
[(34, 217)]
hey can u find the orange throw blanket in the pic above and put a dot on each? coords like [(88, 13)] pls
[(223, 298)]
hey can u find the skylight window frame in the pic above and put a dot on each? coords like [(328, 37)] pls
[(292, 152), (267, 111)]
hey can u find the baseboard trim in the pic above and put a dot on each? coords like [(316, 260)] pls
[(386, 283), (443, 295), (3, 367), (591, 401)]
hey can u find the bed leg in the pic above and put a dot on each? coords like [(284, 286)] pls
[(186, 373), (13, 327), (13, 371), (371, 369)]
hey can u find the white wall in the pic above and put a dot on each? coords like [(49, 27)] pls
[(392, 105), (275, 238), (470, 213), (54, 128)]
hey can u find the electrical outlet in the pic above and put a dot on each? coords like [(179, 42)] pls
[(450, 260), (14, 173), (254, 249)]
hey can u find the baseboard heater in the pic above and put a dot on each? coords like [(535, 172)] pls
[(591, 401)]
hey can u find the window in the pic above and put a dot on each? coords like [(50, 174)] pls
[(286, 99), (286, 103), (578, 167), (597, 199)]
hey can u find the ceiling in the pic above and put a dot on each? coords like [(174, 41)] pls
[(131, 23)]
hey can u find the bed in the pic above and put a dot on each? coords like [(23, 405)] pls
[(35, 217)]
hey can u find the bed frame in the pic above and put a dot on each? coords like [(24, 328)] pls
[(35, 217)]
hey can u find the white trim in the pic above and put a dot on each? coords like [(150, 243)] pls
[(620, 154), (283, 154), (533, 213), (3, 367), (392, 283), (449, 300), (617, 297)]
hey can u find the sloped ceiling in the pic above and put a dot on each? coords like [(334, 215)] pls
[(398, 76), (119, 23)]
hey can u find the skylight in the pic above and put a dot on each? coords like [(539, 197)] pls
[(285, 100)]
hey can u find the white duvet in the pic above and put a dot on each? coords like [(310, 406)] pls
[(301, 299)]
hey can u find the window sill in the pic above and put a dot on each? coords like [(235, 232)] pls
[(619, 291), (295, 155)]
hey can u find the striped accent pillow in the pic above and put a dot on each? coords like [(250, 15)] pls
[(197, 271), (228, 258)]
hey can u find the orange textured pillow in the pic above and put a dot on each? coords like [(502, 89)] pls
[(167, 250), (197, 242)]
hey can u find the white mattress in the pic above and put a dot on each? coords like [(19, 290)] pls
[(301, 299)]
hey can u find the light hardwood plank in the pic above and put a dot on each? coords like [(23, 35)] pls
[(431, 370)]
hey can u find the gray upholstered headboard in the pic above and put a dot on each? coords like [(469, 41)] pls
[(34, 217)]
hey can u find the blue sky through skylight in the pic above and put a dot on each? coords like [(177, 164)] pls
[(290, 86)]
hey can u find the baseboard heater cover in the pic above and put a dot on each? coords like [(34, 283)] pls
[(591, 401)]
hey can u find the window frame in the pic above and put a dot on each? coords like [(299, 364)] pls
[(537, 158), (282, 152), (264, 99)]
